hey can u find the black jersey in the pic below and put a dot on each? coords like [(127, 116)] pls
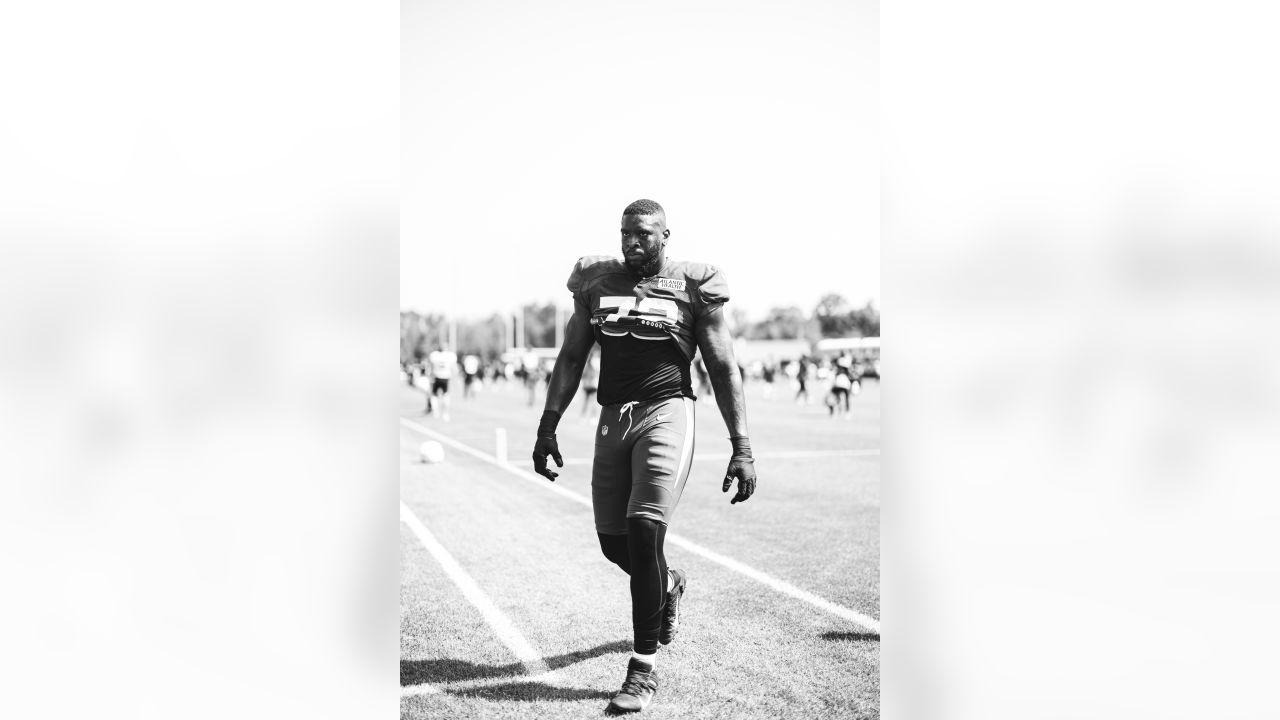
[(645, 327)]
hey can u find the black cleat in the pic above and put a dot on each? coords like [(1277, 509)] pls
[(671, 613), (637, 690)]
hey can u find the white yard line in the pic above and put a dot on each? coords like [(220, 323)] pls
[(773, 583), (498, 620), (781, 586)]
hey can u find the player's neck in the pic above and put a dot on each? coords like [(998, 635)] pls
[(651, 268)]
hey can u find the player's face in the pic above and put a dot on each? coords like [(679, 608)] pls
[(642, 239)]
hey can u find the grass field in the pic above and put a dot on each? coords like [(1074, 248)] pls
[(514, 613)]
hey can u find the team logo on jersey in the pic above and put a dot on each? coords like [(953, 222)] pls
[(670, 284), (604, 429)]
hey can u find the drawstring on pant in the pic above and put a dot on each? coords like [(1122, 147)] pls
[(626, 408)]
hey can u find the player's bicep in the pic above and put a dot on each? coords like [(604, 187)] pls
[(578, 338), (714, 340)]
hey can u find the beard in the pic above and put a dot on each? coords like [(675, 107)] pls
[(645, 265)]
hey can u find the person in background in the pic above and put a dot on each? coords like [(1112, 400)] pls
[(443, 364), (470, 373), (802, 379), (590, 381)]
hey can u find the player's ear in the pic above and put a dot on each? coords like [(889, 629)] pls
[(666, 234)]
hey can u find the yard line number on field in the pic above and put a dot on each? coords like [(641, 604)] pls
[(773, 583)]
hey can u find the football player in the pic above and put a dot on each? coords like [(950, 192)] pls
[(650, 314), (442, 366)]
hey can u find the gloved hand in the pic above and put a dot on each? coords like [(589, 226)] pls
[(541, 449), (546, 445), (742, 467)]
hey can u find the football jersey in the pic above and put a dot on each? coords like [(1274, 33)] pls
[(645, 326), (442, 363)]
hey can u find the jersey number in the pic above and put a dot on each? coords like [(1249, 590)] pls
[(622, 305)]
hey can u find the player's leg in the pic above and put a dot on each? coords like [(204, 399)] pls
[(660, 456), (660, 465), (435, 396), (611, 487), (615, 549), (610, 493), (645, 538)]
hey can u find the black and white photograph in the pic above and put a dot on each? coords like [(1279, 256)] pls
[(908, 360), (640, 360)]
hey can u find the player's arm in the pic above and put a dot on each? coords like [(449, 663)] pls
[(716, 346), (560, 392)]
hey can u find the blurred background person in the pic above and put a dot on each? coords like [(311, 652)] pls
[(442, 363), (590, 381), (841, 387), (531, 369), (767, 373), (470, 374), (802, 380)]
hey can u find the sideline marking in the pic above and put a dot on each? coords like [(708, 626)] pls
[(498, 620), (781, 586)]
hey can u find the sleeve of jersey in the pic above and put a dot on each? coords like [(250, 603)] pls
[(575, 285), (713, 290)]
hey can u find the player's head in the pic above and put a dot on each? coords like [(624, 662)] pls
[(644, 236)]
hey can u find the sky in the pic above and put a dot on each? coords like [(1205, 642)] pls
[(527, 128)]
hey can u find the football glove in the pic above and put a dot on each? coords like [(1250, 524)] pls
[(742, 467), (546, 445)]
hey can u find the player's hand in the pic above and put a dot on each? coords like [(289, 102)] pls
[(744, 470), (546, 445)]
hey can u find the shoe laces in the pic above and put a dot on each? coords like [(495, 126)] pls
[(638, 682)]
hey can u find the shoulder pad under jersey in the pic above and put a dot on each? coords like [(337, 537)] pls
[(590, 267), (706, 282)]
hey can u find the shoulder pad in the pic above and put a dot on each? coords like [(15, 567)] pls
[(711, 286), (590, 267)]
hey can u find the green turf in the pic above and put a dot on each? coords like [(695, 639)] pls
[(744, 650)]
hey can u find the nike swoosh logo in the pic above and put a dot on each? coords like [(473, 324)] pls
[(663, 417)]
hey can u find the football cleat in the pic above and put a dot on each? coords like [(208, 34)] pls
[(671, 613), (637, 690)]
